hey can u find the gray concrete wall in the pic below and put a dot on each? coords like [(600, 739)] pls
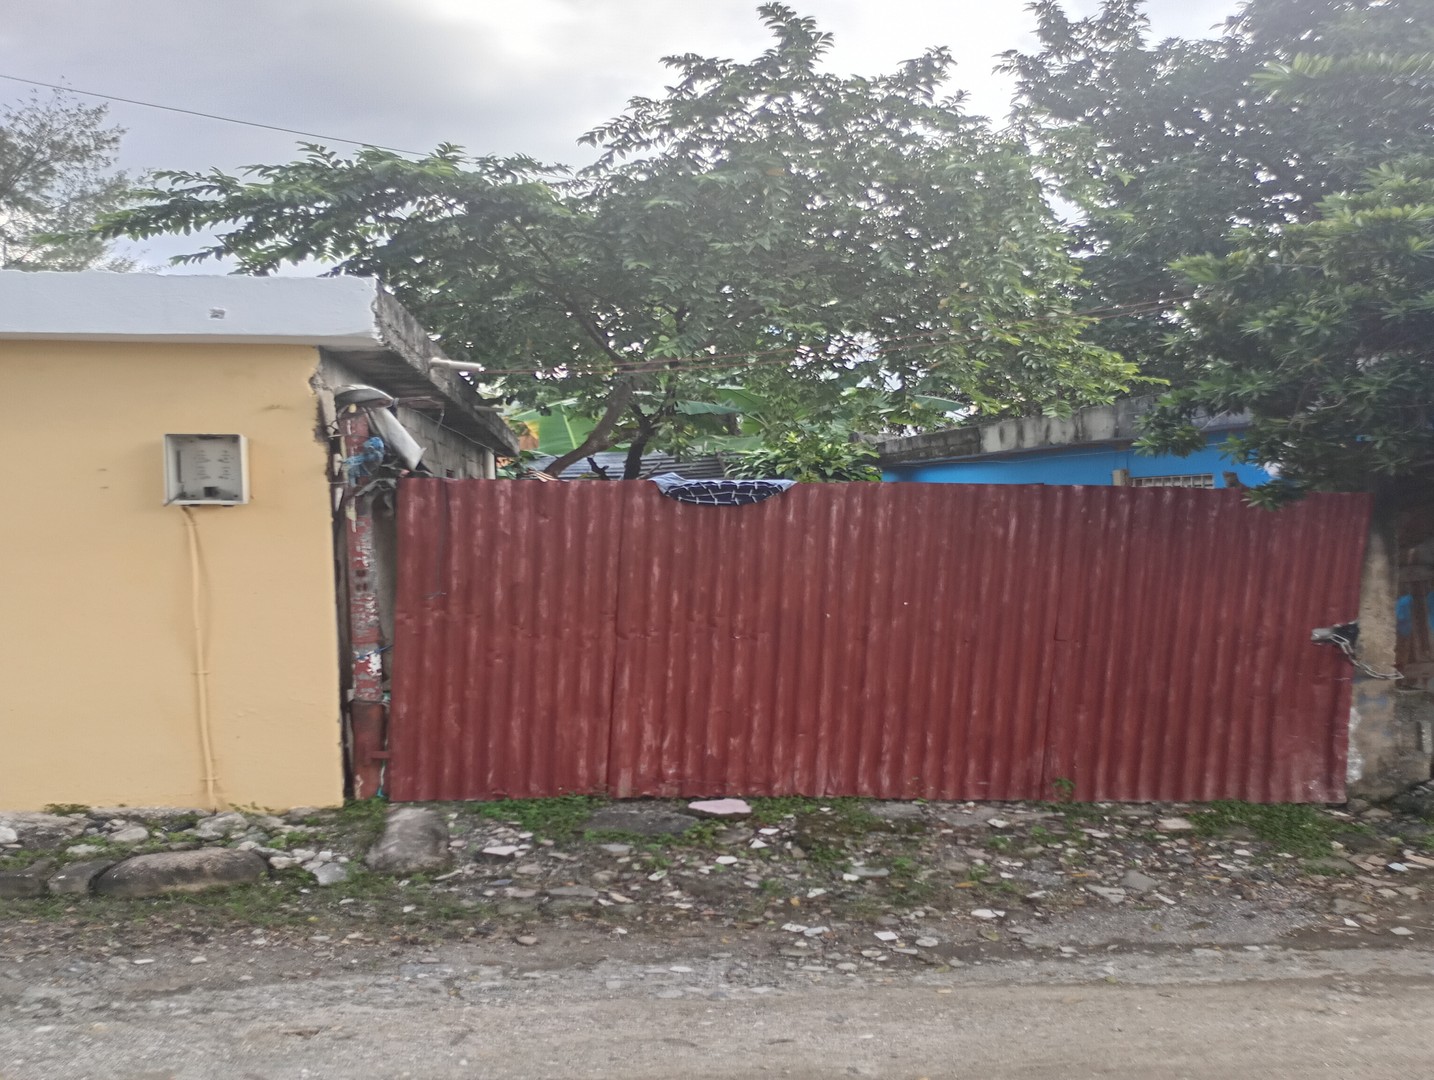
[(1387, 746)]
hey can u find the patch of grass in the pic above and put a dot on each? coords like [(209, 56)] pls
[(1078, 811), (369, 812), (66, 808), (285, 840), (1294, 828), (1042, 835), (558, 818), (904, 866), (845, 810), (287, 900), (823, 853), (18, 860), (702, 835), (999, 843)]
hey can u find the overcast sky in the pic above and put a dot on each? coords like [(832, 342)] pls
[(497, 76)]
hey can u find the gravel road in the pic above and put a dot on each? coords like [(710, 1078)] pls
[(579, 1007)]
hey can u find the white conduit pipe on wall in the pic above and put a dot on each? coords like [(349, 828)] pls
[(201, 663)]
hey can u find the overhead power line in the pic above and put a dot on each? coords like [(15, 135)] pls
[(209, 116)]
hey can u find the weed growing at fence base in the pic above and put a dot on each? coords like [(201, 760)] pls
[(1294, 828), (558, 818), (845, 811)]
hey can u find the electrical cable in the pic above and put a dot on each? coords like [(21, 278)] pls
[(208, 116), (201, 662)]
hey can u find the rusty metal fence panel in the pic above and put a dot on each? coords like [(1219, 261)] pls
[(503, 643), (893, 640)]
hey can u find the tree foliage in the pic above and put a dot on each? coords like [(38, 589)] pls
[(1169, 147), (57, 177), (832, 244), (1324, 332), (809, 454)]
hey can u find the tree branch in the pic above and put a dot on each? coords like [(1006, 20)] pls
[(601, 436)]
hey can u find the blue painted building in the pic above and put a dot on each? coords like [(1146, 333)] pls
[(1093, 446)]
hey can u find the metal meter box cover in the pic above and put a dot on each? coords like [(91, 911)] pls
[(206, 470)]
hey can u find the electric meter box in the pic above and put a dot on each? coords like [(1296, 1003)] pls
[(206, 470)]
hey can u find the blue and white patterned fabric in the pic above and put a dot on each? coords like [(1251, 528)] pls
[(718, 492)]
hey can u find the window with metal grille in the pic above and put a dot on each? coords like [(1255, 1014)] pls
[(1197, 480)]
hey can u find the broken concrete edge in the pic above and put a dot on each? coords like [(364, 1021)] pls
[(1390, 729)]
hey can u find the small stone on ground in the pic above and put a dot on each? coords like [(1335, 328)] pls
[(1114, 896), (220, 826), (721, 808), (1137, 882), (330, 873)]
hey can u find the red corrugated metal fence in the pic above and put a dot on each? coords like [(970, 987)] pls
[(938, 641)]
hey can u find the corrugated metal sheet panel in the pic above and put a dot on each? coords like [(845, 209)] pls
[(612, 462), (503, 643), (899, 641)]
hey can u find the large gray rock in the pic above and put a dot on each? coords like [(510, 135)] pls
[(37, 830), (641, 819), (180, 872), (414, 841), (26, 883), (221, 825), (77, 877)]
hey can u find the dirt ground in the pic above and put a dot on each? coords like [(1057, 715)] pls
[(810, 939), (701, 1005)]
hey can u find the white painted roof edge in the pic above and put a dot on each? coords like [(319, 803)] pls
[(337, 312)]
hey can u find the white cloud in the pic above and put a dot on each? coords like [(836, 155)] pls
[(498, 76)]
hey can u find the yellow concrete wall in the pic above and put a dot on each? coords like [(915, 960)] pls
[(97, 647)]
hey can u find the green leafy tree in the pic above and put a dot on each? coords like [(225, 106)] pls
[(1324, 332), (830, 244), (57, 177), (809, 454), (1167, 147)]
